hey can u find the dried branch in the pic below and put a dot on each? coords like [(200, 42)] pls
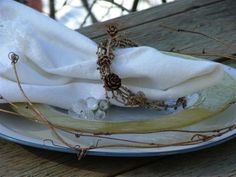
[(52, 11), (7, 101), (198, 33), (9, 112), (107, 12), (90, 10), (63, 5), (207, 54), (86, 5), (135, 5), (118, 5), (14, 59)]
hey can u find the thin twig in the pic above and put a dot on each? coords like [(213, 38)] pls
[(52, 9), (37, 112), (198, 33), (63, 5), (87, 16), (86, 5), (135, 5), (107, 12), (7, 101), (207, 54), (118, 5), (9, 112)]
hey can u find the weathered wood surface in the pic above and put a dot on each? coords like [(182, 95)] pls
[(214, 17)]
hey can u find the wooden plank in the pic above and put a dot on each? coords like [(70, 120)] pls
[(215, 17), (215, 162), (25, 161), (147, 16), (17, 160)]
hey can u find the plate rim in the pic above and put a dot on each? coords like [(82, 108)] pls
[(94, 152)]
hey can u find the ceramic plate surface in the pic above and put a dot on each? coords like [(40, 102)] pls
[(30, 133)]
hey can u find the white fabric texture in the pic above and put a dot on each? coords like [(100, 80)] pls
[(57, 66)]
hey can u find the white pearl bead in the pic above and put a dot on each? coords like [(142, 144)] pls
[(92, 103)]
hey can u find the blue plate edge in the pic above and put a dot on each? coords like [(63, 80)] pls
[(119, 154)]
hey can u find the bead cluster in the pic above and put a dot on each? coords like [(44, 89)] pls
[(91, 109)]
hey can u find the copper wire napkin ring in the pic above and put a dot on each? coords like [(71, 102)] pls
[(113, 83)]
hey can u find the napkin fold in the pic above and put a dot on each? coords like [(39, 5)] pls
[(57, 66)]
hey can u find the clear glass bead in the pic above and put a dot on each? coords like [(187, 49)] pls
[(79, 106), (90, 109), (77, 109), (100, 115), (92, 103), (103, 105), (89, 114), (75, 115)]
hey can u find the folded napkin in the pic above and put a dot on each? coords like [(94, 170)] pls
[(57, 66)]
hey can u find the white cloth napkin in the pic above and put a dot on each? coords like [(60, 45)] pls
[(57, 66)]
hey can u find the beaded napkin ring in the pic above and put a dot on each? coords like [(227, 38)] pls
[(113, 83)]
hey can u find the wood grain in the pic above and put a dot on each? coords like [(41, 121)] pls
[(218, 161), (144, 17), (214, 17), (17, 160)]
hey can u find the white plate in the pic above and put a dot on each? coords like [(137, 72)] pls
[(29, 133)]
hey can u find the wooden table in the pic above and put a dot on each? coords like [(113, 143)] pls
[(213, 17)]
